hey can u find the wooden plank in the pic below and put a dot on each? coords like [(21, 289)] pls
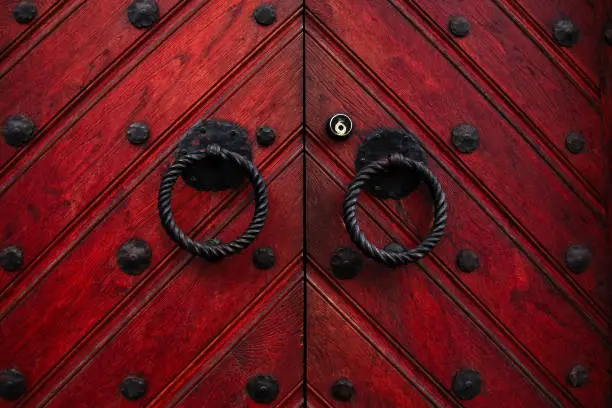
[(93, 294), (93, 153)]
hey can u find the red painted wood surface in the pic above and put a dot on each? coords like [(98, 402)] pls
[(75, 325), (518, 201)]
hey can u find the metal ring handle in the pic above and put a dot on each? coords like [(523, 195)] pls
[(209, 250), (350, 211)]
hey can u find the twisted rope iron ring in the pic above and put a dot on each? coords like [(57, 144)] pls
[(350, 211), (207, 250)]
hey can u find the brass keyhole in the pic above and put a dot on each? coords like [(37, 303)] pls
[(340, 128)]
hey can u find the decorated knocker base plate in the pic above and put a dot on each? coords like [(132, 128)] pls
[(214, 174), (392, 182)]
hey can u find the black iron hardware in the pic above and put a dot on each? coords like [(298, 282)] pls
[(574, 142), (263, 389), (339, 126), (133, 387), (24, 12), (459, 26), (12, 384), (264, 258), (578, 258), (467, 384), (467, 261), (11, 258), (134, 256), (566, 33), (346, 263), (465, 138), (138, 133), (578, 376), (265, 15), (143, 13), (200, 151), (343, 389), (18, 130), (402, 174), (265, 136)]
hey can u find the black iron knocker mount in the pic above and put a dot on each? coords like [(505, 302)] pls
[(391, 164), (213, 155)]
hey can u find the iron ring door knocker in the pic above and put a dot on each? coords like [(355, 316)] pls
[(212, 140), (383, 150)]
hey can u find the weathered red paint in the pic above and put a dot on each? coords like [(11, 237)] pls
[(76, 325)]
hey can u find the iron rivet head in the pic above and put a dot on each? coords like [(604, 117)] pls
[(138, 133), (134, 256), (265, 15), (467, 384), (608, 33), (265, 136), (467, 261), (18, 130), (574, 142), (346, 263), (566, 33), (24, 12), (143, 13), (263, 389), (394, 248), (133, 387), (264, 258), (11, 258), (339, 126), (465, 138), (12, 384), (578, 376), (459, 26), (343, 389), (578, 258)]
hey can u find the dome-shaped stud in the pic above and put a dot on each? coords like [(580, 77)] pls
[(465, 138), (578, 376), (342, 389), (134, 256), (575, 143), (18, 130), (265, 136), (11, 258), (263, 389), (138, 133), (459, 26), (143, 13), (12, 384), (24, 12), (467, 261), (467, 384), (346, 263), (578, 258), (265, 15), (264, 258), (566, 33), (133, 387)]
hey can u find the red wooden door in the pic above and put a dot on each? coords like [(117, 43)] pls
[(88, 316), (509, 101), (512, 308)]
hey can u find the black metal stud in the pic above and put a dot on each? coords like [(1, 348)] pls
[(608, 32), (467, 261), (578, 258), (578, 376), (138, 133), (566, 33), (380, 144), (265, 136), (134, 256), (574, 142), (465, 138), (346, 263), (12, 384), (215, 174), (24, 12), (264, 258), (133, 387), (263, 389), (339, 126), (143, 13), (459, 26), (18, 130), (343, 389), (265, 15), (467, 384), (11, 258)]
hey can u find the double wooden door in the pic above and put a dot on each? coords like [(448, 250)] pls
[(124, 284)]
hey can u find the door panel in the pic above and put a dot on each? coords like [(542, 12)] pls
[(72, 322), (519, 200)]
